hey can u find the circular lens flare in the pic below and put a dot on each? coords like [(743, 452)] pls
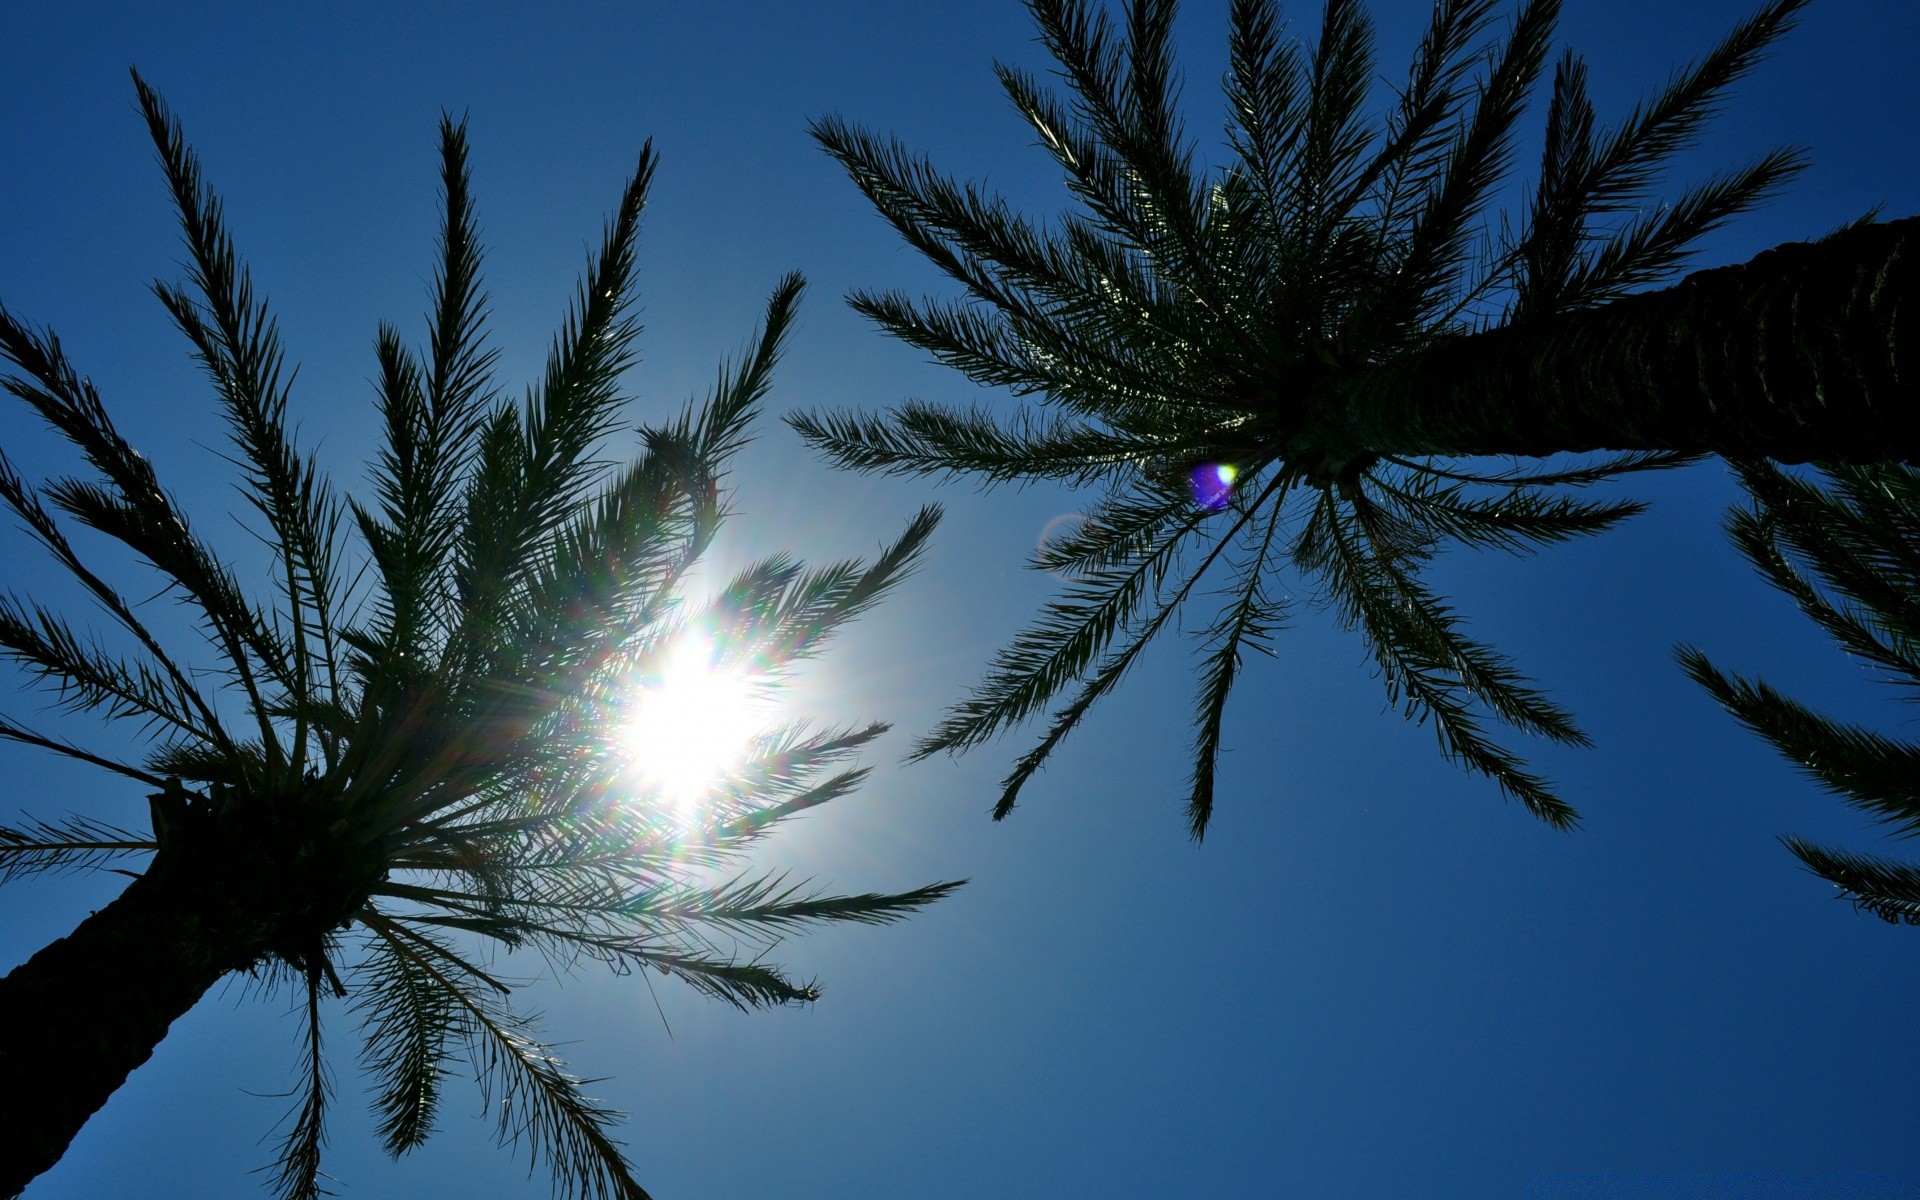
[(689, 725), (1059, 529), (1212, 484)]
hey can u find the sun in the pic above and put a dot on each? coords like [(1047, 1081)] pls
[(690, 724)]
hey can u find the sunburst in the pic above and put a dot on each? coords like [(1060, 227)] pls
[(690, 723)]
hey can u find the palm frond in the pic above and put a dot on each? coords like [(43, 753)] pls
[(238, 344), (13, 732), (811, 606), (1624, 162), (1249, 621), (1334, 138), (740, 388), (44, 529), (533, 464), (74, 844), (1413, 145), (1121, 529), (1070, 634), (535, 1097), (1871, 771), (1587, 176), (1264, 96), (1609, 467), (87, 676), (771, 903), (1887, 889), (1432, 669), (1556, 224), (1650, 249), (431, 410), (1436, 247), (744, 985), (244, 635), (409, 1021), (1139, 633), (1845, 546), (925, 439), (1858, 538), (1875, 628), (297, 1166), (1514, 520)]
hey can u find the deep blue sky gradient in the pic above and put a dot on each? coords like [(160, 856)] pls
[(1374, 980)]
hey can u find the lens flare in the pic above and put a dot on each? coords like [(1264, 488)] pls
[(690, 724), (1212, 484), (1059, 529)]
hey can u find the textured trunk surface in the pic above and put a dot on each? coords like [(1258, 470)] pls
[(79, 1016), (1809, 351)]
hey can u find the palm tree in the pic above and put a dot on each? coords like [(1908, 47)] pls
[(1281, 362), (1846, 546), (376, 781)]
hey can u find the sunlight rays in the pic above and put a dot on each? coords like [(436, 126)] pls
[(693, 723)]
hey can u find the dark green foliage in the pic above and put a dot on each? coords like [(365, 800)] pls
[(443, 731), (1845, 544), (1181, 315)]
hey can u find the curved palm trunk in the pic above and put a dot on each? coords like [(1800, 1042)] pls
[(1809, 351), (80, 1015)]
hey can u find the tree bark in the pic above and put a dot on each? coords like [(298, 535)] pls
[(80, 1015), (1810, 351)]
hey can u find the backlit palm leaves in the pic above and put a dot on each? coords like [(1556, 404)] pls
[(1183, 317), (1845, 545), (406, 755)]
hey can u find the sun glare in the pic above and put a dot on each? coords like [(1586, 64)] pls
[(690, 724), (1212, 484)]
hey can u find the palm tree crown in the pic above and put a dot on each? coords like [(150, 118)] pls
[(398, 760), (1845, 545), (1204, 344)]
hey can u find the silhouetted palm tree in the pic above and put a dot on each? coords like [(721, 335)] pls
[(1316, 332), (375, 780), (1845, 544)]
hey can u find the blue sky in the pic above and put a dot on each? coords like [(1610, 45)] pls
[(1375, 979)]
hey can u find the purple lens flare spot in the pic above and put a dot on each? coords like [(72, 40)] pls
[(1212, 485)]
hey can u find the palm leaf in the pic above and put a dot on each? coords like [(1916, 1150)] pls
[(1249, 621), (1889, 890), (75, 844), (408, 1020), (1845, 545), (297, 1176), (238, 344), (536, 1099)]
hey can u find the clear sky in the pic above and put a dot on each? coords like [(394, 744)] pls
[(1374, 980)]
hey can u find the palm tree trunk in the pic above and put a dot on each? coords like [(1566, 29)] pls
[(1810, 351), (80, 1015)]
